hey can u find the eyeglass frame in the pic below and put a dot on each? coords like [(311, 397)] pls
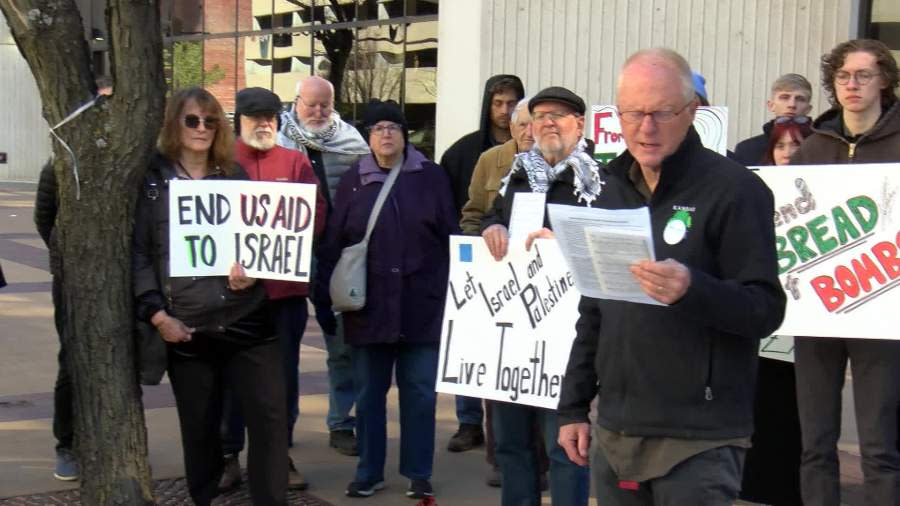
[(553, 116), (193, 121), (653, 115), (858, 76), (380, 129)]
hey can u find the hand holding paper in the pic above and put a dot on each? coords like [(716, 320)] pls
[(665, 281), (497, 240)]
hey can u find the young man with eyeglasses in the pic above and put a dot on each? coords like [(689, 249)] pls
[(790, 98), (674, 382), (863, 126), (313, 127)]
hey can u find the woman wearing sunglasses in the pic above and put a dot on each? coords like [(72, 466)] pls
[(215, 328), (787, 135)]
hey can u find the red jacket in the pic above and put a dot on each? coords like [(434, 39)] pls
[(282, 165)]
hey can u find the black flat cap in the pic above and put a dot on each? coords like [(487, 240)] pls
[(557, 94), (251, 101)]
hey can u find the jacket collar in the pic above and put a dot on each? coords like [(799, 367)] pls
[(250, 152), (370, 172), (830, 123), (675, 167)]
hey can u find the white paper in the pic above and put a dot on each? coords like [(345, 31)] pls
[(600, 244), (527, 214)]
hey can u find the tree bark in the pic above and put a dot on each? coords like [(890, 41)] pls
[(112, 142)]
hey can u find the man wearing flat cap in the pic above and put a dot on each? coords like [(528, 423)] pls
[(561, 166), (256, 125)]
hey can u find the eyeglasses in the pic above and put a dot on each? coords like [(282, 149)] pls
[(862, 76), (539, 117), (193, 121), (384, 129), (658, 116), (800, 120)]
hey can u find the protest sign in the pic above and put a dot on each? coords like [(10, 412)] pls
[(837, 238), (606, 130), (508, 325), (266, 227)]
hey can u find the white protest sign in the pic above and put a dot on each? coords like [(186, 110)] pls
[(508, 325), (837, 241), (267, 227), (605, 130)]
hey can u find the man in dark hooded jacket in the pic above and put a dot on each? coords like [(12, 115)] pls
[(501, 94)]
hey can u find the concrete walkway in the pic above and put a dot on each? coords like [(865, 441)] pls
[(28, 370)]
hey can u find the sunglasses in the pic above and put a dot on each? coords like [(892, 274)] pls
[(193, 121), (800, 120)]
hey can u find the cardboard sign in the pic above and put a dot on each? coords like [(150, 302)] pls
[(508, 325), (837, 238), (266, 227), (606, 130)]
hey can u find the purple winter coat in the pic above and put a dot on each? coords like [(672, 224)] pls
[(408, 256)]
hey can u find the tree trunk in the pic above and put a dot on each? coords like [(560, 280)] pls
[(112, 142)]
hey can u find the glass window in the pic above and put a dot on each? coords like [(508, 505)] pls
[(220, 74), (332, 50), (294, 12), (375, 71), (378, 9), (183, 64), (220, 16), (182, 17), (257, 60), (421, 7), (249, 12), (420, 84)]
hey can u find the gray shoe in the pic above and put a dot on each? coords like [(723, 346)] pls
[(231, 474), (344, 441), (66, 465)]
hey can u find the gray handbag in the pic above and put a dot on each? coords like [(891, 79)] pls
[(347, 286)]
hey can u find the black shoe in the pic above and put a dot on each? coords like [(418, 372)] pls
[(231, 474), (467, 437), (344, 441), (419, 489), (363, 488), (296, 481), (493, 478)]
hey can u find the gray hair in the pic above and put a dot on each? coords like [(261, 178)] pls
[(523, 104), (318, 79), (669, 56)]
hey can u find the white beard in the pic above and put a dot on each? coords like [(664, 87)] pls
[(263, 144)]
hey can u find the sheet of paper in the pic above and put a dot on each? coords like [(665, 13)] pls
[(600, 244), (527, 214)]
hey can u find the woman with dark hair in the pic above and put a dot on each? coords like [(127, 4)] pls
[(398, 331), (215, 327), (787, 134)]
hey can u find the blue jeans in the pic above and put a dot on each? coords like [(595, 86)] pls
[(416, 370), (290, 316), (341, 387), (520, 467), (469, 410)]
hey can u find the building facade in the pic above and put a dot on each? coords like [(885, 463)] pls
[(433, 56)]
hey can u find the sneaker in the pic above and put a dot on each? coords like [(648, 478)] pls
[(363, 488), (344, 441), (66, 466), (296, 481), (467, 437), (419, 489), (493, 478), (231, 474)]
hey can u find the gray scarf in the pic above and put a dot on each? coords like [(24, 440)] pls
[(541, 175), (339, 138)]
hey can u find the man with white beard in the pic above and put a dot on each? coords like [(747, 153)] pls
[(313, 127), (256, 124)]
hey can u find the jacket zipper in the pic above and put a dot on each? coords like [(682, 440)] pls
[(851, 150), (707, 391)]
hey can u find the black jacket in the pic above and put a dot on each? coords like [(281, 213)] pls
[(203, 302), (459, 160), (687, 370), (751, 151), (46, 204)]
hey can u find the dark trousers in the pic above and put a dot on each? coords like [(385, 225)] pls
[(416, 372), (290, 316), (63, 423), (711, 478), (821, 366), (520, 463), (772, 466), (258, 382)]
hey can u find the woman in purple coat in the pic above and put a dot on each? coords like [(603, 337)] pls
[(399, 329)]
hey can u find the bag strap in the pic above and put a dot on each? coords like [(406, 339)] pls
[(382, 196)]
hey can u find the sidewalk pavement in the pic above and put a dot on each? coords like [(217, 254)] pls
[(28, 372)]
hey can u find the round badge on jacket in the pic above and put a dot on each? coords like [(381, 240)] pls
[(677, 227)]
